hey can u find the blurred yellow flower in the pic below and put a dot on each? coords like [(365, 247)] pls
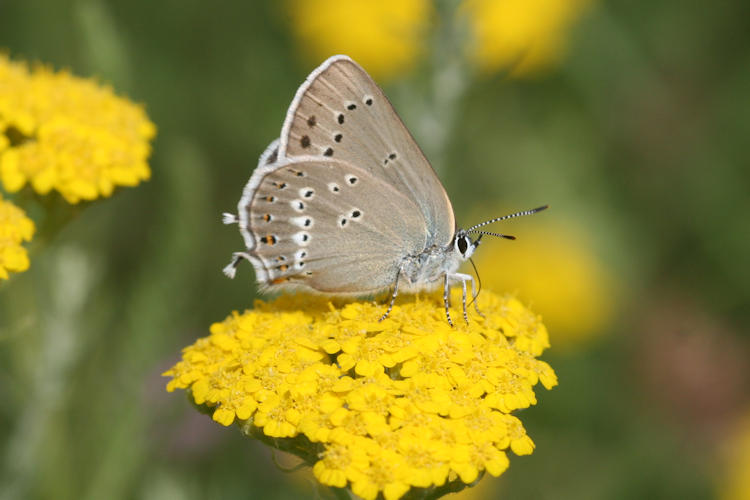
[(378, 407), (524, 36), (735, 481), (15, 228), (555, 269), (385, 37), (61, 132)]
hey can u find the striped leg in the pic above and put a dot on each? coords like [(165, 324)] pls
[(446, 295), (463, 278), (393, 297)]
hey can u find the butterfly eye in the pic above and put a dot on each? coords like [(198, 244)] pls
[(463, 244)]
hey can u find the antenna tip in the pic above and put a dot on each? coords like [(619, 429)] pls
[(539, 209)]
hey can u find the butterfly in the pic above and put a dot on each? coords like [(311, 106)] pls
[(346, 203)]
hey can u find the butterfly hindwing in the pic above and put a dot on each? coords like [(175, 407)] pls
[(327, 225)]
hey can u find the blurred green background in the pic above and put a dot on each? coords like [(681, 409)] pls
[(630, 118)]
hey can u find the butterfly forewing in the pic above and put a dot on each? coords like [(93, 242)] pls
[(328, 225), (341, 113)]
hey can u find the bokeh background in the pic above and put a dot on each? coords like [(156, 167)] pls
[(630, 118)]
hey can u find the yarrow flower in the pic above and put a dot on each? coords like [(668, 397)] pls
[(377, 407), (64, 133), (15, 228), (385, 36), (524, 35)]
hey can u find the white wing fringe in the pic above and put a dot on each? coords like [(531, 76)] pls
[(228, 218), (231, 269)]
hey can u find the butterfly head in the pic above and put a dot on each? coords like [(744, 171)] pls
[(463, 246)]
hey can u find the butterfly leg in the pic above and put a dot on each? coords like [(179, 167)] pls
[(231, 269), (393, 297), (446, 299), (474, 296), (463, 278)]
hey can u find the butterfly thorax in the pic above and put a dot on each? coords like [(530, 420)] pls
[(426, 269)]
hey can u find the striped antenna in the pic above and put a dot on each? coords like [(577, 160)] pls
[(506, 236), (472, 229)]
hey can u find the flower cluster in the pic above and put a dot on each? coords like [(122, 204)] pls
[(524, 35), (61, 132), (378, 407), (385, 36), (15, 228)]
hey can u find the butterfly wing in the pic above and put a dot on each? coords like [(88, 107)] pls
[(340, 112), (327, 225)]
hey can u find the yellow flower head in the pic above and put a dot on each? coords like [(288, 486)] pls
[(385, 36), (524, 35), (378, 407), (556, 269), (15, 228), (61, 132)]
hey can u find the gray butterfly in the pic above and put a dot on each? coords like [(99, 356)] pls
[(345, 202)]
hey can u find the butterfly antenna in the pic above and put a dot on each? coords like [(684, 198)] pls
[(504, 217), (506, 236)]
